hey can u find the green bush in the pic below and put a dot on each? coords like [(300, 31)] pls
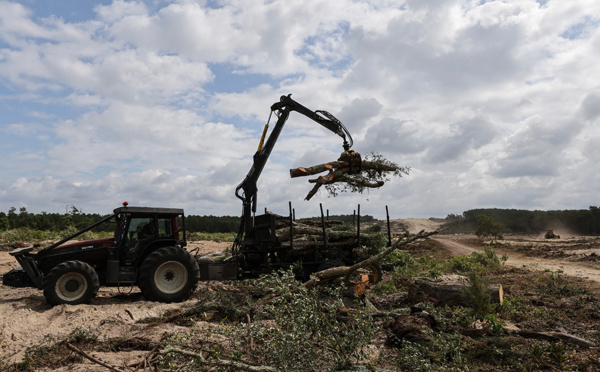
[(477, 261), (373, 229), (23, 234), (478, 296)]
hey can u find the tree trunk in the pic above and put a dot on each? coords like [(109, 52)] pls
[(338, 165), (450, 289), (347, 271)]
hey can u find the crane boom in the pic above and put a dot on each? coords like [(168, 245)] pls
[(247, 189)]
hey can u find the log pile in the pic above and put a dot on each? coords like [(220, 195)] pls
[(310, 235), (374, 172)]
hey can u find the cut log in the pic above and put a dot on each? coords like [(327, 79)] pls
[(555, 336), (373, 174), (450, 289), (340, 165)]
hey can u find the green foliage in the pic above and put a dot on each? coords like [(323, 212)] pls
[(22, 234), (4, 222), (369, 175), (306, 330), (476, 261), (384, 288), (511, 308), (488, 227), (555, 283), (444, 353), (554, 351), (212, 224), (25, 234), (400, 259), (216, 237), (343, 227), (478, 296), (373, 229)]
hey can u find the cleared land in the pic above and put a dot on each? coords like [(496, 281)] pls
[(28, 321)]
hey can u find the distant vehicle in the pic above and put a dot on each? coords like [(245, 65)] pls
[(551, 235)]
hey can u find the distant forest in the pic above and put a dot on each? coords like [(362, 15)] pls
[(20, 218), (583, 221)]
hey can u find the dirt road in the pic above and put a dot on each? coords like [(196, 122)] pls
[(586, 269), (575, 256)]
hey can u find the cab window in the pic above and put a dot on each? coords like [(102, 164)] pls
[(165, 228)]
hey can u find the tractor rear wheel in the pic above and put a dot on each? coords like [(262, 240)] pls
[(168, 274), (71, 282)]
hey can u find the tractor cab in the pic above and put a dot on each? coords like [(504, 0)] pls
[(140, 229)]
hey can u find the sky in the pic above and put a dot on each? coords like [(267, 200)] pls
[(492, 104)]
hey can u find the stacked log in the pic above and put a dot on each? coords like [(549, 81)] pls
[(310, 235)]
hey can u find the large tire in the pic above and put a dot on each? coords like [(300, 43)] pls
[(71, 282), (375, 273), (168, 274)]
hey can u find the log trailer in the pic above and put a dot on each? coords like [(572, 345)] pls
[(148, 246)]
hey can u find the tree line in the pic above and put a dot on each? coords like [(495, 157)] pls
[(73, 217), (582, 221)]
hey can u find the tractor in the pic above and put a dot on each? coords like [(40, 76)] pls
[(551, 235), (147, 250)]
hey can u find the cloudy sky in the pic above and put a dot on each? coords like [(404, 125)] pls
[(162, 103)]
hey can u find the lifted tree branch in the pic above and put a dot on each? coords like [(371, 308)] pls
[(374, 172)]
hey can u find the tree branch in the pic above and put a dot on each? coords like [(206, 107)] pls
[(219, 362), (346, 271)]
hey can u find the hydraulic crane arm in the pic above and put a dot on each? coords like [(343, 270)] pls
[(247, 190)]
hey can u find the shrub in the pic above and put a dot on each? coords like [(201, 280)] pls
[(477, 261), (478, 296)]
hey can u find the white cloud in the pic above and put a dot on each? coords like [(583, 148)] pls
[(484, 100)]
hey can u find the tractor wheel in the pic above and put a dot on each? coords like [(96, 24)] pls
[(375, 273), (168, 274), (71, 282)]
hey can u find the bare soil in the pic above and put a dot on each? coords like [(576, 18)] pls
[(26, 320)]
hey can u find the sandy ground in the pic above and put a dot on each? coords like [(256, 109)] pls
[(26, 320)]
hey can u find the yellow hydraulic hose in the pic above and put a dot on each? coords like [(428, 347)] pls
[(262, 139)]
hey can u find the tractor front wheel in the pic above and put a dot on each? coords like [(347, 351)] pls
[(168, 274), (71, 282)]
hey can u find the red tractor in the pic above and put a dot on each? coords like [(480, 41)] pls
[(147, 250)]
